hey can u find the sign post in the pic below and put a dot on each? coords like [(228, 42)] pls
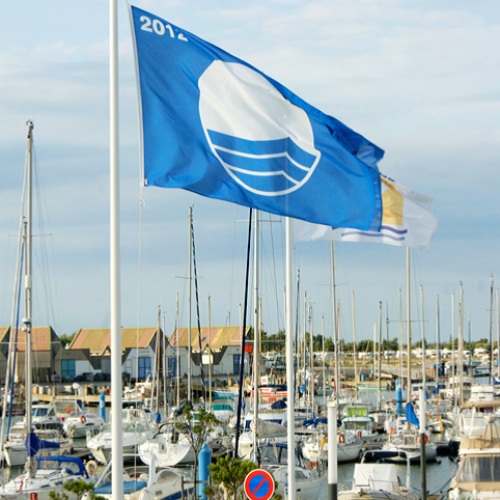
[(259, 485)]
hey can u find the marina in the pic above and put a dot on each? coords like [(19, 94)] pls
[(208, 319)]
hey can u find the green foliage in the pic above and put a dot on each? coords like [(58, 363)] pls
[(57, 496), (66, 339), (79, 487), (228, 476), (197, 427)]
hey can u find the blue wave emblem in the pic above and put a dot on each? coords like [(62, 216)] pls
[(388, 232), (268, 167)]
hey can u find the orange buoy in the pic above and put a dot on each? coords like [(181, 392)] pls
[(420, 439)]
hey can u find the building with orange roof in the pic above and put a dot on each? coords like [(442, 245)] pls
[(138, 353), (223, 341), (45, 346)]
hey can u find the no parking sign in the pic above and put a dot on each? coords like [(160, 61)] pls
[(259, 485)]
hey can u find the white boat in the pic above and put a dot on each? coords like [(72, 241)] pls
[(378, 482), (363, 427), (407, 445), (51, 442), (453, 387), (309, 482), (137, 429), (66, 406), (474, 418), (78, 423), (349, 447), (246, 442), (325, 390), (478, 476), (223, 408), (430, 388), (144, 483), (171, 447), (51, 474), (43, 414)]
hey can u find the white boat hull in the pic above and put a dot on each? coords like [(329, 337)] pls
[(167, 454), (16, 454)]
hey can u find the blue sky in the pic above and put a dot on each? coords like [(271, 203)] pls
[(419, 79)]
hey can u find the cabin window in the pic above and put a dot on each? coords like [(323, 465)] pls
[(480, 469)]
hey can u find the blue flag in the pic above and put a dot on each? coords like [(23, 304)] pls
[(215, 125), (411, 417)]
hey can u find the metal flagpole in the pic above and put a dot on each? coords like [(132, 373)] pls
[(189, 394), (116, 338), (289, 364)]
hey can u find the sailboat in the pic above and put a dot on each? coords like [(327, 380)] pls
[(42, 474)]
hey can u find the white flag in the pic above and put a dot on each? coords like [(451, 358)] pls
[(406, 221)]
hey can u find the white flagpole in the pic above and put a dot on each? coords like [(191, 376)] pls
[(289, 365), (116, 340)]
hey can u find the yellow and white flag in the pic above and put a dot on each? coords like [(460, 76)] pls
[(406, 221)]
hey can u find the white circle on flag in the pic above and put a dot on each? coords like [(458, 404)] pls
[(264, 142)]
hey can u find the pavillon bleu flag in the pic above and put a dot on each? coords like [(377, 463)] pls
[(215, 125)]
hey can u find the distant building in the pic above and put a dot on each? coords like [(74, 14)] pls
[(45, 346), (138, 354), (223, 341)]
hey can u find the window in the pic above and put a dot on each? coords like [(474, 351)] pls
[(144, 367), (68, 368), (236, 363), (172, 367), (481, 469)]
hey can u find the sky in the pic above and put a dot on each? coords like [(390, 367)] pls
[(420, 79)]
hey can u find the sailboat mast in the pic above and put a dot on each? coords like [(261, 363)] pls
[(453, 377), (177, 367), (491, 329), (408, 328), (323, 347), (498, 335), (438, 347), (400, 304), (209, 356), (27, 293), (424, 374), (379, 385), (311, 356), (354, 346), (461, 345)]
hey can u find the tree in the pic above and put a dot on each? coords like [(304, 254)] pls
[(79, 487), (66, 339), (329, 345), (198, 425), (228, 477)]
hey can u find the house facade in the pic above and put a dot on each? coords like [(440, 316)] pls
[(224, 344), (45, 346), (139, 354)]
